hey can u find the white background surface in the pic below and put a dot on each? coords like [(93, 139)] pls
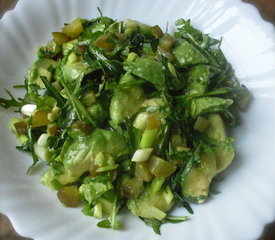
[(247, 200)]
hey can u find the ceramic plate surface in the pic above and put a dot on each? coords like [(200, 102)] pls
[(246, 202)]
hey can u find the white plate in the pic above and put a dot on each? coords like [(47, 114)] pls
[(247, 201)]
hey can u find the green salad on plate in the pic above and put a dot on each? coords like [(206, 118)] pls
[(126, 115)]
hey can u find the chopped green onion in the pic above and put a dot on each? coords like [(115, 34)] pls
[(142, 155), (148, 138)]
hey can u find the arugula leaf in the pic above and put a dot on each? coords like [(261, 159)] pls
[(19, 86), (31, 146), (25, 147), (81, 111), (12, 102), (104, 224), (188, 159), (93, 56), (147, 69), (66, 117), (53, 91), (174, 219), (93, 188), (156, 224), (181, 202), (113, 219), (131, 134), (153, 223)]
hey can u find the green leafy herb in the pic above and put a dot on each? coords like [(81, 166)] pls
[(53, 92), (31, 146), (12, 102), (156, 224)]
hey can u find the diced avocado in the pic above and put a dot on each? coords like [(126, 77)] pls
[(108, 142), (107, 205), (79, 155), (225, 154), (198, 79), (125, 102), (38, 69), (77, 159), (201, 124), (102, 163), (68, 46), (152, 204), (103, 206), (208, 163), (204, 105), (224, 151), (93, 188), (74, 70), (48, 178), (186, 54), (98, 213), (216, 129), (148, 69), (195, 186), (132, 26), (98, 112), (50, 50)]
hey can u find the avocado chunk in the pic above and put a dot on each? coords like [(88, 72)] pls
[(74, 70), (152, 203), (148, 69), (186, 54), (196, 184), (204, 105), (51, 50), (224, 151), (49, 179), (198, 79), (216, 129), (99, 194), (38, 69), (79, 155), (125, 101), (93, 188)]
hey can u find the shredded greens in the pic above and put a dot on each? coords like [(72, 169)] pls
[(127, 116)]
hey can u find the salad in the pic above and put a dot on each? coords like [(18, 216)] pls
[(128, 116)]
